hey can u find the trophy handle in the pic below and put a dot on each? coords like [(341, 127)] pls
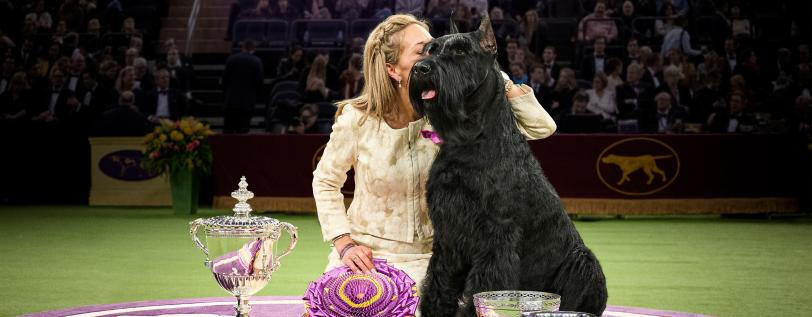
[(294, 237), (193, 232)]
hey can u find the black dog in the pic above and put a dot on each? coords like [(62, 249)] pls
[(499, 224)]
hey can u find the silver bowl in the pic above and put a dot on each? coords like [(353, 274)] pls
[(514, 303)]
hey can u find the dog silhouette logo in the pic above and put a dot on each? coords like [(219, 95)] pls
[(349, 185), (125, 165), (638, 166)]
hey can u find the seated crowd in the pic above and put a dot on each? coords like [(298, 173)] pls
[(86, 67), (670, 66)]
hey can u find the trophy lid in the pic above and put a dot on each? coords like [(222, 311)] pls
[(241, 223)]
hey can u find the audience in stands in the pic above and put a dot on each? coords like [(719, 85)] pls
[(74, 59), (122, 120)]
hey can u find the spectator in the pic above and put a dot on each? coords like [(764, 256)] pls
[(739, 25), (476, 7), (565, 89), (597, 24), (108, 74), (306, 122), (290, 68), (7, 74), (52, 102), (626, 19), (614, 70), (593, 64), (25, 55), (731, 54), (664, 118), (518, 72), (632, 97), (708, 98), (681, 96), (534, 32), (180, 73), (652, 74), (122, 120), (633, 54), (352, 78), (94, 98), (734, 119), (13, 101), (318, 10), (540, 83), (130, 56), (316, 89), (283, 10), (92, 36), (235, 10), (679, 38), (578, 118), (143, 78), (126, 80), (666, 21), (601, 99), (72, 14), (40, 17), (77, 67), (163, 102), (550, 65), (242, 81)]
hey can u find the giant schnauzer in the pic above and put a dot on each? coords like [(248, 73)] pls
[(499, 224)]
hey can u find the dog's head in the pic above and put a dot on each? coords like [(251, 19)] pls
[(447, 83)]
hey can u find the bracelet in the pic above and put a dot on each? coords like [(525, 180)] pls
[(345, 249), (333, 241)]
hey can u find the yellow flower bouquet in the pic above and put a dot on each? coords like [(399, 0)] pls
[(175, 145)]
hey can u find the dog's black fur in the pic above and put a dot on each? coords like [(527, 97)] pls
[(499, 224)]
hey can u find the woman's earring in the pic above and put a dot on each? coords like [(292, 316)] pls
[(399, 86)]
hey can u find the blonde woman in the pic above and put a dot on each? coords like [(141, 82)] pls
[(126, 80), (378, 135)]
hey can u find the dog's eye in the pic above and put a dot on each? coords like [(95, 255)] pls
[(458, 49), (429, 49)]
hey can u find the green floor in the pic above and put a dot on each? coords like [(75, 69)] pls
[(57, 257)]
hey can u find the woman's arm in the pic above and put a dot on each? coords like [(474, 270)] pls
[(531, 118), (331, 173)]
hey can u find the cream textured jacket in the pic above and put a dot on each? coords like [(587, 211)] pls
[(391, 168)]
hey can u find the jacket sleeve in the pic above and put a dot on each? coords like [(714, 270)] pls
[(338, 157), (533, 121)]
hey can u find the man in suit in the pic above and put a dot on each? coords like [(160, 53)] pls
[(94, 98), (549, 60), (633, 96), (162, 102), (652, 74), (123, 120), (665, 118), (180, 72), (242, 81), (52, 99), (593, 63), (734, 119), (538, 81)]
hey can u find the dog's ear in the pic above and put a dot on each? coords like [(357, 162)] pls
[(488, 40), (452, 25)]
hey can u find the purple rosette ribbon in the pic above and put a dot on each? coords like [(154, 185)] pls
[(343, 293)]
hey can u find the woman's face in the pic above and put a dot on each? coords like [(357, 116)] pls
[(597, 83), (628, 8), (411, 48)]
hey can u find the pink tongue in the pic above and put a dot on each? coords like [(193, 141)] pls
[(428, 94)]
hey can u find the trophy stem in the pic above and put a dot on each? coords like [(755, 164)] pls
[(242, 307)]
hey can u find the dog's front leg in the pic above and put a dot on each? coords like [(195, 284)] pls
[(496, 266), (444, 282)]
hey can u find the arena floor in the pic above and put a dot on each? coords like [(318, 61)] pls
[(58, 257)]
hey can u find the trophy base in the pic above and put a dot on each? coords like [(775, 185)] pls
[(242, 308)]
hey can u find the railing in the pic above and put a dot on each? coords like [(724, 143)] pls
[(190, 26)]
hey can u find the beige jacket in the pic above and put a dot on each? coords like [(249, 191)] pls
[(391, 168)]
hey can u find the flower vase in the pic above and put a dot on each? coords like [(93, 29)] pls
[(185, 184)]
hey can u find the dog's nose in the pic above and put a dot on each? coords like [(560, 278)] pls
[(422, 68)]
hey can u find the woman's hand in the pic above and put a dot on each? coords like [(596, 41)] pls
[(358, 258)]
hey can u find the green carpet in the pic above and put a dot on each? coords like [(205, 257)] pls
[(57, 257)]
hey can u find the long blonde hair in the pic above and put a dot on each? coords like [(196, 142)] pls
[(318, 71), (379, 95)]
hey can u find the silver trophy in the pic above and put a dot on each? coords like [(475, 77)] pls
[(241, 249)]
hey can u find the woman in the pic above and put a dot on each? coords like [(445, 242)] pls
[(565, 88), (315, 87), (378, 134), (351, 78), (126, 80), (614, 69), (601, 99)]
